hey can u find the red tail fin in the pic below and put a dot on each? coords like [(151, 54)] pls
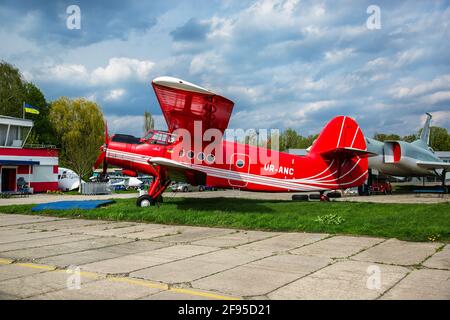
[(341, 133), (343, 143)]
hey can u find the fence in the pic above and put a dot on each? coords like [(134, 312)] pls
[(95, 188)]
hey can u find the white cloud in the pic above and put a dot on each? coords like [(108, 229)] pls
[(437, 97), (118, 70), (438, 83), (122, 69), (114, 94), (67, 72)]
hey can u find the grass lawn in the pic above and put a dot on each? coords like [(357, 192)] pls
[(414, 222)]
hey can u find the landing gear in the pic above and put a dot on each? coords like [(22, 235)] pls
[(443, 174), (145, 201), (324, 197), (154, 196)]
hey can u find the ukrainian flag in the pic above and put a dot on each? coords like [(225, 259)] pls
[(30, 109)]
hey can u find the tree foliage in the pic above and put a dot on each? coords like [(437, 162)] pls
[(79, 125), (149, 122), (12, 90), (439, 138)]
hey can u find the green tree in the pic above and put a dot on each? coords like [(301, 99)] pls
[(410, 138), (12, 90), (439, 138), (383, 137), (149, 122), (44, 132), (79, 125)]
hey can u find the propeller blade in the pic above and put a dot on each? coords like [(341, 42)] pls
[(101, 159), (106, 133), (105, 167)]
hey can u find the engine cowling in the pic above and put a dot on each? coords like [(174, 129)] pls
[(392, 152)]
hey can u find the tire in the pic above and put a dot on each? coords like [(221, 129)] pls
[(334, 194), (314, 196), (300, 197), (201, 188), (145, 201), (185, 189)]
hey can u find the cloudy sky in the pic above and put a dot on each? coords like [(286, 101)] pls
[(290, 63)]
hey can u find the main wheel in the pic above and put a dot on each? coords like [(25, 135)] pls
[(300, 197), (145, 201)]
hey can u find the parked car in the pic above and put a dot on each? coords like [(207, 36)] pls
[(381, 186), (184, 187)]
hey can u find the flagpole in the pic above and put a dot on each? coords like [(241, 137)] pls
[(23, 109)]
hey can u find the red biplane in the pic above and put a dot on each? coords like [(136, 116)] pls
[(187, 151)]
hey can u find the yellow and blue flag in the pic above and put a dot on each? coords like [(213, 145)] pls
[(30, 109)]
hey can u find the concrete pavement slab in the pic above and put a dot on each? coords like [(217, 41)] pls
[(190, 234), (398, 252), (4, 247), (11, 271), (29, 236), (16, 219), (180, 294), (101, 227), (262, 276), (284, 242), (100, 290), (53, 250), (40, 283), (422, 284), (152, 233), (343, 280), (118, 232), (200, 266), (237, 238), (440, 260), (337, 247), (103, 253), (63, 224)]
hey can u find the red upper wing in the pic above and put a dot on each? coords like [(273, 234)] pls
[(181, 108)]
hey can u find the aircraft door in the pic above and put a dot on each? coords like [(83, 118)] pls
[(239, 164)]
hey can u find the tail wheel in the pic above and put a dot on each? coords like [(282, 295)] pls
[(145, 201)]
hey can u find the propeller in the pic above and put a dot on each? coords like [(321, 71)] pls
[(102, 157)]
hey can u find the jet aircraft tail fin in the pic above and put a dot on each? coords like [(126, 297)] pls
[(425, 134)]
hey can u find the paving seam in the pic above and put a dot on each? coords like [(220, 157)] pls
[(129, 280), (244, 264), (40, 246), (393, 285)]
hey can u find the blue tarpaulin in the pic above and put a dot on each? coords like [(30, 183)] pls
[(66, 205)]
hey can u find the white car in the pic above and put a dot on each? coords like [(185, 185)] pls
[(186, 187)]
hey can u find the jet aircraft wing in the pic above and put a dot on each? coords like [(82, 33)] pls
[(433, 165)]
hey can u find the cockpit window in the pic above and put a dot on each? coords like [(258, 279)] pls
[(159, 137)]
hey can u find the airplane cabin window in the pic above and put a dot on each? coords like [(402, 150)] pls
[(240, 163), (190, 154), (210, 158)]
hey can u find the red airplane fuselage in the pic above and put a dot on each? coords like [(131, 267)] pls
[(248, 167)]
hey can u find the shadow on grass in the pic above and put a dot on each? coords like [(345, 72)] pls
[(226, 204)]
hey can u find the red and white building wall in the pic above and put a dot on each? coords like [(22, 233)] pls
[(37, 167)]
